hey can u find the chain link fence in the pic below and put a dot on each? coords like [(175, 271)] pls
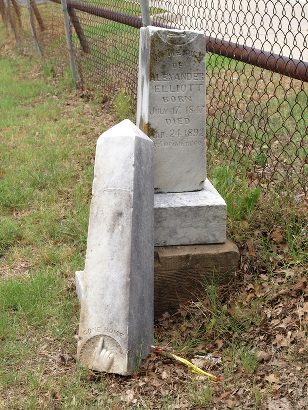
[(37, 27), (257, 70)]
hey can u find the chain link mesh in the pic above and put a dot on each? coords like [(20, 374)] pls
[(111, 60), (257, 119), (39, 30)]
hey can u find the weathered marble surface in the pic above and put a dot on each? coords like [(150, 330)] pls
[(79, 283), (116, 320), (189, 218), (171, 106)]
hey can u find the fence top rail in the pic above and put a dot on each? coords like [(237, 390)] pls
[(293, 68)]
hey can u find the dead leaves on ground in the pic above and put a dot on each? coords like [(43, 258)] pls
[(278, 341)]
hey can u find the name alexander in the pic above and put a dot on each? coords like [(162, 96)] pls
[(178, 77)]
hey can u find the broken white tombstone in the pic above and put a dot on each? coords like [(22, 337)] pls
[(171, 106), (116, 287)]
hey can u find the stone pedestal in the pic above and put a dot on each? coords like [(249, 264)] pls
[(182, 273), (187, 218)]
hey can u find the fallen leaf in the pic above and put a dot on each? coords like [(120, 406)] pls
[(277, 235), (250, 287), (199, 362), (272, 379), (251, 248), (164, 375), (128, 396), (305, 307), (219, 344), (301, 285), (263, 356), (280, 404), (230, 403), (224, 395), (283, 341)]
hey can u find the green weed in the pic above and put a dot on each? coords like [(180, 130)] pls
[(222, 322), (123, 106), (10, 233), (200, 394), (249, 360), (241, 199), (257, 397), (48, 68)]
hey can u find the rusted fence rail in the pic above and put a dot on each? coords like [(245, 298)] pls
[(276, 63)]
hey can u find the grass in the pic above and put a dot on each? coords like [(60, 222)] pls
[(249, 360), (200, 395), (45, 184), (122, 105)]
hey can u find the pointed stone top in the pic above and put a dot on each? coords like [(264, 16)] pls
[(125, 129), (116, 151)]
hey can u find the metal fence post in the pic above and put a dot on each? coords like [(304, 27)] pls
[(69, 43), (37, 15), (3, 12), (36, 42), (146, 18), (11, 19), (17, 12), (78, 29)]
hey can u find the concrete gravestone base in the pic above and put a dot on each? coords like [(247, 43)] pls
[(182, 272), (188, 218)]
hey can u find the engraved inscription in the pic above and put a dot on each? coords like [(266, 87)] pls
[(177, 94), (177, 88), (102, 329), (178, 76)]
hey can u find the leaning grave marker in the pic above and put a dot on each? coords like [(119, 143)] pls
[(116, 287), (171, 110)]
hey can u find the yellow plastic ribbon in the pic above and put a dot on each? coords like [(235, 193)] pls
[(195, 369)]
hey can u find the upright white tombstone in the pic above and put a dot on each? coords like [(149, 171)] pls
[(171, 105), (116, 287), (171, 111)]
